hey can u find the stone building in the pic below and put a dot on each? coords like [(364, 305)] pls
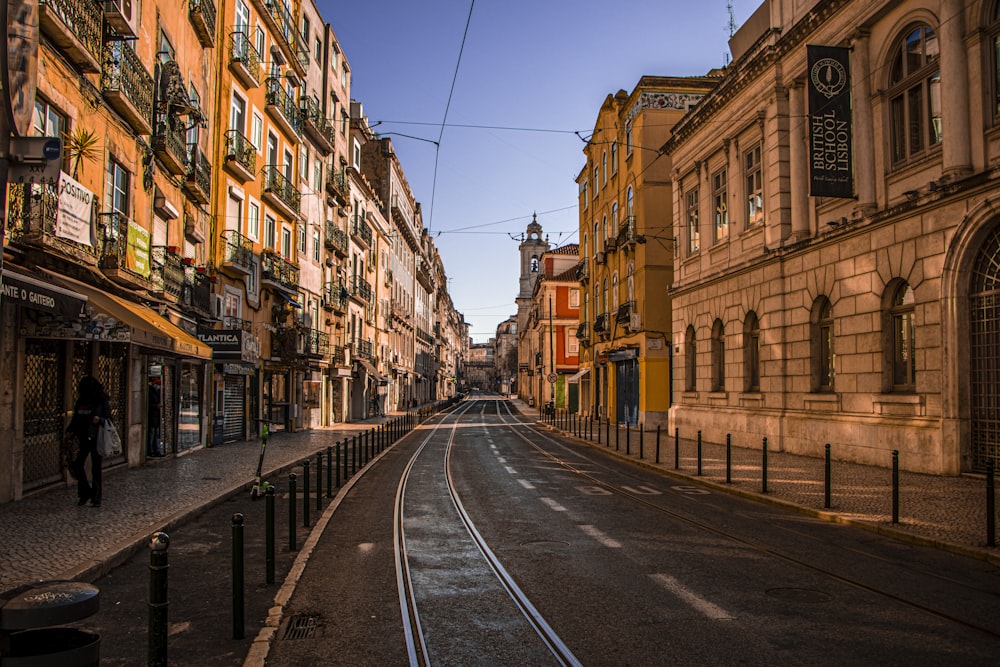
[(866, 320)]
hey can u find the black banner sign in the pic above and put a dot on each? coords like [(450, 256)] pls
[(830, 152)]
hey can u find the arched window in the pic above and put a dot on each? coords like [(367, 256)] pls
[(604, 168), (534, 265), (584, 316), (630, 203), (914, 94), (901, 329), (605, 308), (993, 26), (604, 227), (614, 218), (597, 178), (631, 283), (614, 158), (718, 356), (751, 353), (585, 254), (597, 244), (821, 345), (690, 360), (614, 291)]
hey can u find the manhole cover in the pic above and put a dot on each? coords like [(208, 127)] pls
[(301, 627), (798, 595)]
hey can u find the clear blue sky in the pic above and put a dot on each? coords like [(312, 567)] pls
[(544, 66)]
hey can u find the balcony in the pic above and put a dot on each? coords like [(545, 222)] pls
[(281, 107), (361, 232), (75, 27), (31, 221), (127, 86), (241, 156), (282, 25), (627, 233), (601, 324), (196, 222), (198, 183), (237, 254), (336, 239), (625, 312), (169, 143), (338, 355), (201, 13), (278, 272), (237, 323), (167, 273), (360, 289), (123, 257), (583, 271), (583, 333), (610, 245), (287, 342), (279, 191), (336, 184), (244, 60), (315, 343), (334, 297), (363, 349), (319, 129), (197, 294)]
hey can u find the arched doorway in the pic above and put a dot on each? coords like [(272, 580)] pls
[(984, 350)]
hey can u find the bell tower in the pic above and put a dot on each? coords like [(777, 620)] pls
[(531, 249)]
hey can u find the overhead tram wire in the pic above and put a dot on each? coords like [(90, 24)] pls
[(444, 121)]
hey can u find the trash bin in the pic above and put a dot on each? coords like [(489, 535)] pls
[(531, 401), (27, 614)]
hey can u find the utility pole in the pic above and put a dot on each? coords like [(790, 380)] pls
[(552, 356)]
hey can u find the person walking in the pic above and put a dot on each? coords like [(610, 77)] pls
[(90, 412)]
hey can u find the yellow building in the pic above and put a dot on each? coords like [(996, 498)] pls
[(627, 250)]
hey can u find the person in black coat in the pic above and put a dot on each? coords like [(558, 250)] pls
[(90, 412)]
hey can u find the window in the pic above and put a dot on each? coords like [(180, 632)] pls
[(718, 356), (605, 308), (47, 121), (721, 209), (270, 226), (253, 221), (630, 205), (628, 139), (242, 16), (614, 291), (302, 239), (357, 155), (604, 168), (614, 218), (572, 344), (534, 265), (316, 244), (631, 282), (118, 188), (574, 298), (690, 360), (585, 311), (614, 158), (238, 114), (755, 187), (995, 28), (694, 235), (902, 327), (821, 345), (317, 174), (914, 95), (751, 353), (286, 243), (259, 40), (583, 192), (604, 228), (597, 180), (304, 162), (597, 238), (318, 51), (257, 132)]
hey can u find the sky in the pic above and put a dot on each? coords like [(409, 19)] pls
[(531, 75)]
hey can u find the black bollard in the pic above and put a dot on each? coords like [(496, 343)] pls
[(292, 542), (699, 453), (269, 535), (763, 469), (618, 435), (337, 465), (677, 448), (640, 441), (826, 479), (158, 604), (238, 588), (991, 507), (895, 486), (329, 472), (305, 493), (354, 454), (729, 458), (598, 430), (657, 443), (628, 438), (319, 481)]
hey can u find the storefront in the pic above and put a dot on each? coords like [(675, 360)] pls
[(235, 353)]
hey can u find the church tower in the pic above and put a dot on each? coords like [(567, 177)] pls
[(531, 250)]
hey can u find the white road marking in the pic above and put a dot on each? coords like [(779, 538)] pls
[(553, 505), (525, 483), (601, 537), (642, 490), (501, 459), (593, 490), (510, 470), (710, 610)]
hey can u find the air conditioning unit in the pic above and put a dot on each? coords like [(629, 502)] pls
[(635, 322), (599, 258), (122, 16), (218, 306), (343, 211)]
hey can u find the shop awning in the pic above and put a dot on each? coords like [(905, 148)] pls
[(575, 377), (378, 377), (42, 295), (292, 302), (146, 327)]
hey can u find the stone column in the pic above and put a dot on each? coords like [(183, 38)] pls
[(954, 94), (864, 138), (798, 157)]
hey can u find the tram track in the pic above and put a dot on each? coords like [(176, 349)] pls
[(519, 427)]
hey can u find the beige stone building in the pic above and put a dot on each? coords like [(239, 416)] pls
[(866, 322)]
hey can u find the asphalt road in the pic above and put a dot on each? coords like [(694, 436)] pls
[(618, 564)]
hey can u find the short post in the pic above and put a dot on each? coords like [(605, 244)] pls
[(269, 535), (729, 458), (628, 439), (159, 568), (607, 432), (618, 435), (763, 469), (677, 448), (895, 486), (354, 454), (657, 444), (292, 542), (319, 481), (305, 493), (991, 507), (238, 588), (826, 479), (699, 453), (329, 472), (337, 464), (598, 430), (640, 441)]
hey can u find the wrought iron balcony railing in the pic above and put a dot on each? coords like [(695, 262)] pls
[(282, 192), (601, 323), (363, 349), (198, 183), (338, 356), (278, 271), (282, 106), (336, 239), (241, 155), (583, 331), (583, 271), (625, 312), (316, 125), (127, 85), (334, 296), (361, 231), (75, 27), (237, 323), (201, 13), (627, 231), (244, 59), (316, 343), (336, 184), (360, 288), (119, 260), (198, 291), (167, 272), (237, 254), (169, 143)]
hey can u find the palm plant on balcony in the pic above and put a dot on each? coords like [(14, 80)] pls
[(80, 146)]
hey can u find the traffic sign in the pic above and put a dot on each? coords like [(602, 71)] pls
[(552, 377)]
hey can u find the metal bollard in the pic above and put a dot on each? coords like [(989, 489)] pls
[(607, 432), (269, 535), (763, 469), (337, 466), (598, 430), (699, 453), (618, 435), (292, 542), (895, 486), (305, 493), (159, 568), (319, 481), (329, 472), (677, 448), (640, 441), (657, 444), (729, 458), (354, 454), (628, 439), (826, 479), (238, 588), (991, 507)]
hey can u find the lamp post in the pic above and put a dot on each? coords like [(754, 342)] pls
[(552, 359)]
